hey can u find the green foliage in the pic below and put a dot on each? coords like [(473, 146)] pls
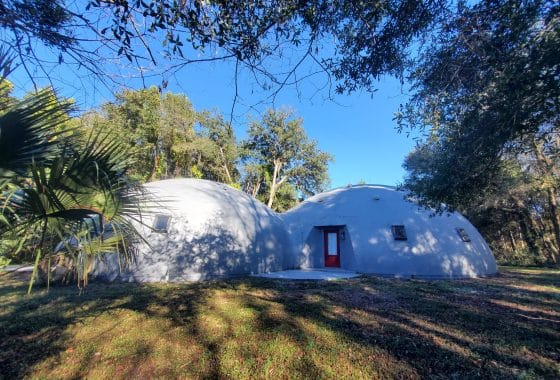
[(216, 148), (236, 186), (487, 96), (168, 137), (278, 152), (6, 100), (46, 20), (157, 128), (286, 198), (53, 179), (354, 42), (489, 77), (37, 119), (4, 260), (196, 173), (171, 139), (251, 31)]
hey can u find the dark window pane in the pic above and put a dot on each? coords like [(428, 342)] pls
[(399, 232), (463, 234), (161, 223)]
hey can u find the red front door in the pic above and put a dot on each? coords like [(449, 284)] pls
[(332, 248)]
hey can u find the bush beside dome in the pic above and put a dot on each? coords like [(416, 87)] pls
[(210, 230)]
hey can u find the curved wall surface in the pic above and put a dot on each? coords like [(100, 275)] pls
[(217, 231), (213, 231), (364, 215)]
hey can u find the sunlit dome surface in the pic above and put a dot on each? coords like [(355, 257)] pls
[(206, 229), (370, 220)]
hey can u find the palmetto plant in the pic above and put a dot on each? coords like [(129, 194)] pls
[(53, 179)]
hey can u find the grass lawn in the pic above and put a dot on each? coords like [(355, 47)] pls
[(501, 327)]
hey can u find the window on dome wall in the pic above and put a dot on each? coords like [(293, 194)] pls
[(399, 232), (463, 234), (161, 223)]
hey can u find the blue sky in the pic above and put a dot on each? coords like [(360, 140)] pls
[(358, 129)]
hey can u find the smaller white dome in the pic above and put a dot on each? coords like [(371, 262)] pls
[(435, 245)]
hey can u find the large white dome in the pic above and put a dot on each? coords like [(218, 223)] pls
[(378, 231), (211, 230), (207, 229)]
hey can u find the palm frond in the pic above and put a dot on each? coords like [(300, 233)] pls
[(54, 181), (29, 131), (6, 67)]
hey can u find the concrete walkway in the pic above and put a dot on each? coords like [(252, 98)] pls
[(310, 274)]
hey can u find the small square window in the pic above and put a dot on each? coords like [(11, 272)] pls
[(399, 232), (161, 223), (463, 234)]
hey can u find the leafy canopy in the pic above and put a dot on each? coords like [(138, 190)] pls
[(53, 179), (278, 151), (353, 42), (489, 77)]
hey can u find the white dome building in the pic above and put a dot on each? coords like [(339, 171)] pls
[(374, 229), (201, 230)]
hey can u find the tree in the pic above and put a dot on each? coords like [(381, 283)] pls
[(352, 42), (286, 198), (278, 149), (52, 179), (216, 149), (159, 129), (489, 77), (169, 137), (486, 91)]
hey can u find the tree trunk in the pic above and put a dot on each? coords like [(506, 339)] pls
[(555, 219), (273, 185), (226, 169), (154, 169), (528, 235), (256, 188), (512, 241), (272, 193), (527, 225), (546, 168), (276, 182)]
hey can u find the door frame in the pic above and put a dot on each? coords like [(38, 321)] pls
[(331, 261)]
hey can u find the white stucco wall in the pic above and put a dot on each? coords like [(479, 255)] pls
[(214, 231), (217, 231), (433, 249)]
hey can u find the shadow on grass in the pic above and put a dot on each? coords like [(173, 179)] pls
[(258, 327), (437, 333)]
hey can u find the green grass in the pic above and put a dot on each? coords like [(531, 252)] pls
[(501, 327)]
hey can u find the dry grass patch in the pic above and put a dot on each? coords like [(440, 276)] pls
[(501, 327)]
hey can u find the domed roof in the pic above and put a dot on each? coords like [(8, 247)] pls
[(434, 245), (210, 230), (204, 229)]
